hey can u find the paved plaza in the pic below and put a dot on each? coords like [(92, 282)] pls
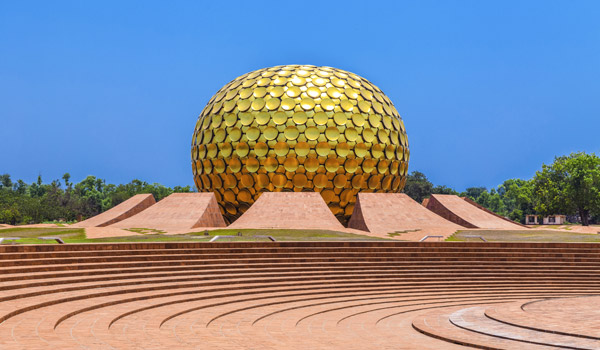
[(298, 295)]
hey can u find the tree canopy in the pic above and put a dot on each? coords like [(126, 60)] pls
[(570, 185), (418, 187), (22, 203), (512, 199)]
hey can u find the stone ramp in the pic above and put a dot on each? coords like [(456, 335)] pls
[(384, 213), (179, 211), (122, 211), (467, 213), (288, 210)]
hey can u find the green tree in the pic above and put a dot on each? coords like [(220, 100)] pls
[(39, 202), (418, 187), (67, 177), (496, 204), (93, 198), (483, 199), (440, 189), (517, 195), (10, 216), (182, 189), (37, 189), (20, 187), (473, 192), (569, 185), (5, 181)]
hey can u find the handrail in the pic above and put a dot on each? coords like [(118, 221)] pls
[(219, 237), (57, 239), (426, 237), (271, 238), (475, 236)]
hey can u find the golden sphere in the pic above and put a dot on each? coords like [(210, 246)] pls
[(299, 128)]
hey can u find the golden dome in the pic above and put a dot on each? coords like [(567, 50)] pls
[(299, 128)]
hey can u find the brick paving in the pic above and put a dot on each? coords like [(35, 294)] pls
[(299, 295)]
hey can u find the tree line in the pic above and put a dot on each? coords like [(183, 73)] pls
[(569, 186), (22, 203)]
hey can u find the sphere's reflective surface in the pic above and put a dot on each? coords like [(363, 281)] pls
[(299, 128)]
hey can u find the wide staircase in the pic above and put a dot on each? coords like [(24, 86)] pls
[(300, 295)]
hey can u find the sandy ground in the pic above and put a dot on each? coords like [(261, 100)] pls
[(108, 232), (4, 226), (104, 232), (43, 226), (592, 229)]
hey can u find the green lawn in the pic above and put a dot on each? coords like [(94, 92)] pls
[(29, 234), (77, 235), (531, 235)]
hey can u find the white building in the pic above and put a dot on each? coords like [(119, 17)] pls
[(547, 220)]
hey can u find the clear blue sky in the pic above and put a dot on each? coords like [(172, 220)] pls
[(488, 90)]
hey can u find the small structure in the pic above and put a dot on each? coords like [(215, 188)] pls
[(531, 219), (555, 220)]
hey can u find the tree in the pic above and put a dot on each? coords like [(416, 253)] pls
[(5, 181), (182, 189), (473, 192), (22, 203), (483, 199), (93, 197), (569, 185), (496, 204), (517, 195), (67, 177), (440, 189), (20, 187), (418, 187)]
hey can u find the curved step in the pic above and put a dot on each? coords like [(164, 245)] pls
[(474, 319)]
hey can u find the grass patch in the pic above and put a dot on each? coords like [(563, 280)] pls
[(77, 235), (145, 231), (59, 223), (398, 233), (530, 235), (29, 234), (285, 235)]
